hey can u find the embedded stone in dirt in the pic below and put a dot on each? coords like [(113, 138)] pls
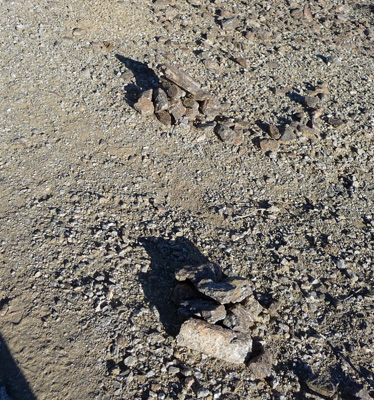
[(215, 341), (225, 133)]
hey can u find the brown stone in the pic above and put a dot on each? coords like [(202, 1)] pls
[(177, 110), (164, 117), (336, 122), (229, 290), (254, 307), (212, 108), (160, 100), (274, 132), (215, 341), (261, 365), (269, 145), (144, 106), (184, 81)]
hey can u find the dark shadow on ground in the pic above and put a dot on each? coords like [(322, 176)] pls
[(13, 385), (145, 78), (167, 256)]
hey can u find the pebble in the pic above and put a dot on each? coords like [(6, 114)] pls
[(288, 135), (269, 145), (226, 134)]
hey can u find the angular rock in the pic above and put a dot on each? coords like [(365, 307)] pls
[(230, 290), (195, 274), (274, 132), (239, 318), (177, 110), (336, 122), (208, 310), (164, 117), (160, 100), (225, 133), (254, 307), (184, 81), (261, 365), (144, 106), (212, 108), (173, 91), (229, 24), (311, 102), (308, 131), (269, 145), (215, 341), (322, 385), (287, 135), (184, 291)]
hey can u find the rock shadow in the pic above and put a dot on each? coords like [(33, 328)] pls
[(145, 79), (13, 385), (167, 256)]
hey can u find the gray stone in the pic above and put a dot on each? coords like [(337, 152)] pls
[(195, 274), (215, 341), (160, 100), (311, 102), (322, 385), (287, 135), (239, 318), (177, 110), (254, 307), (212, 108), (229, 24), (225, 133), (269, 145), (230, 290), (208, 310), (184, 81)]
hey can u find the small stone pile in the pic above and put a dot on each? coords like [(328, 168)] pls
[(180, 101), (218, 314)]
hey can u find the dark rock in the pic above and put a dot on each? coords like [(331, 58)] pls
[(208, 310), (184, 291), (335, 122), (212, 108), (164, 117), (274, 132), (254, 307), (195, 274), (173, 91), (215, 341), (230, 290), (261, 365)]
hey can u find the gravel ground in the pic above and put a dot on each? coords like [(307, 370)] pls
[(100, 205)]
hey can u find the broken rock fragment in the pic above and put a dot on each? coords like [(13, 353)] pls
[(184, 291), (230, 290), (195, 274), (144, 106), (225, 133), (261, 365), (208, 310), (160, 100), (184, 81), (239, 318), (215, 341)]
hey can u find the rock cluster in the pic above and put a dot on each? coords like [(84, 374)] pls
[(180, 100), (218, 314)]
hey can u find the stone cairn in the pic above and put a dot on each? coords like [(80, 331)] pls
[(181, 101), (218, 314)]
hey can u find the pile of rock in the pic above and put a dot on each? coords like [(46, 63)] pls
[(218, 314), (181, 100)]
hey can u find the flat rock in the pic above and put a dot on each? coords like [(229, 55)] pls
[(195, 274), (229, 24), (230, 290), (269, 145), (239, 318), (184, 81), (261, 365), (322, 385), (254, 307), (288, 135), (177, 109), (311, 102), (215, 341), (164, 117), (207, 310), (212, 108)]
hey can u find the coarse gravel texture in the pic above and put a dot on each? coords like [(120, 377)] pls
[(100, 205)]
